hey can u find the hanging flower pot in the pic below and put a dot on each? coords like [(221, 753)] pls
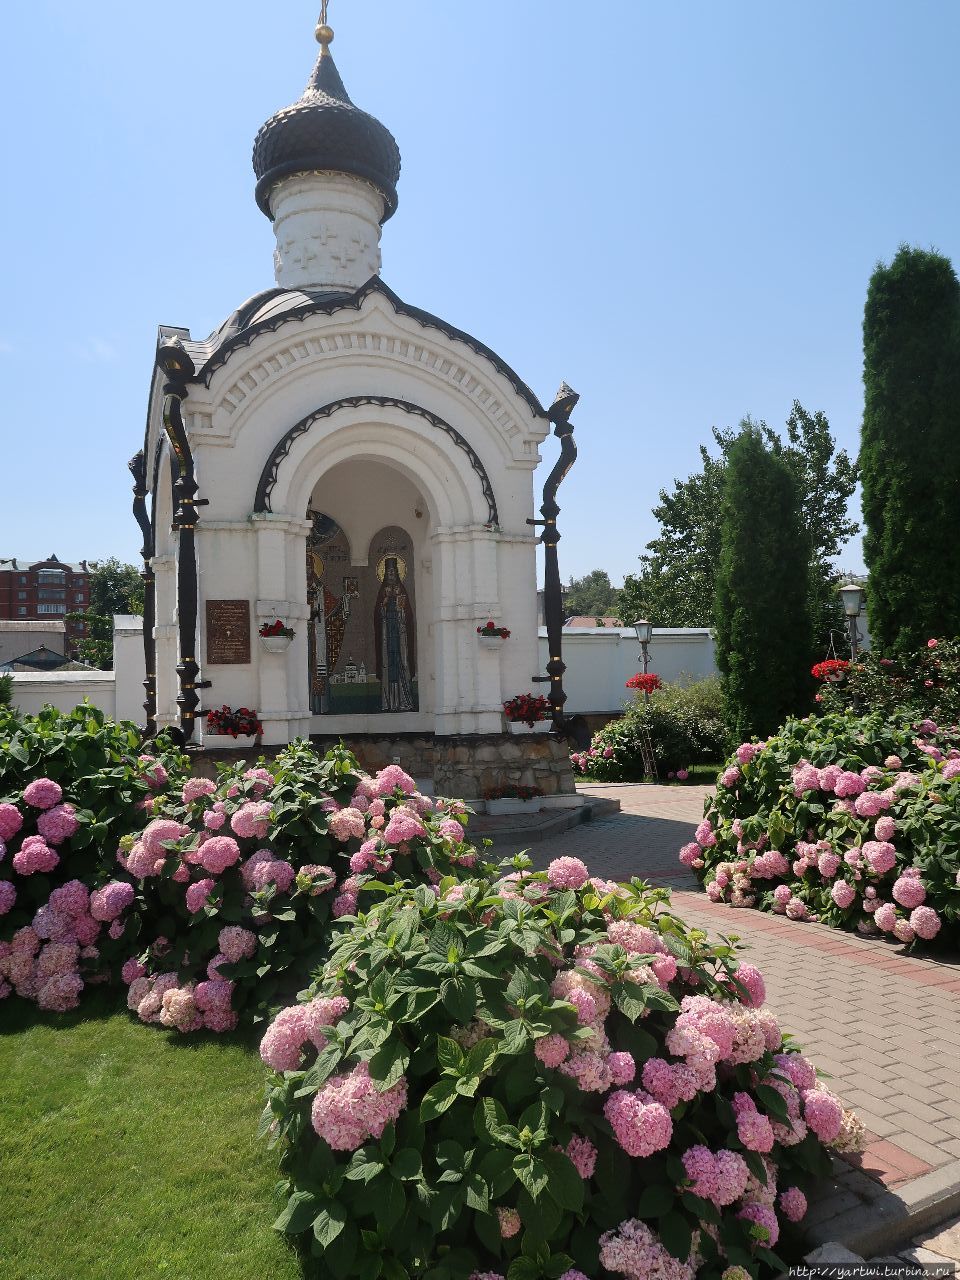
[(276, 643), (276, 636)]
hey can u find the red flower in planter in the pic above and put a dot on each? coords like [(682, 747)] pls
[(528, 708)]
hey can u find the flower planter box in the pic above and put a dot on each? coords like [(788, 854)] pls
[(276, 644), (511, 804), (538, 726), (490, 642), (226, 742)]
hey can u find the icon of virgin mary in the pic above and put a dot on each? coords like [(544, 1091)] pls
[(394, 640)]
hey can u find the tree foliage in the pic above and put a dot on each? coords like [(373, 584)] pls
[(114, 588), (591, 596), (762, 606), (910, 449), (675, 586)]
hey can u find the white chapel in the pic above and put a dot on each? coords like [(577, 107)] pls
[(338, 463)]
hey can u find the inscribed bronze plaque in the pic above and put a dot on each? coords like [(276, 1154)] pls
[(228, 632)]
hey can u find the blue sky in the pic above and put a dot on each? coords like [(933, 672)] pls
[(674, 206)]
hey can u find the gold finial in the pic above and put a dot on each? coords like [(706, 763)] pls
[(324, 33)]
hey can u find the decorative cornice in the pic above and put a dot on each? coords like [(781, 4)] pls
[(330, 304), (268, 477)]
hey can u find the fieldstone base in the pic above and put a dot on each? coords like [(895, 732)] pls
[(470, 765), (464, 765)]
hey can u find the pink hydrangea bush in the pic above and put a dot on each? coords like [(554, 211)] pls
[(70, 787), (517, 1064), (842, 821), (275, 854)]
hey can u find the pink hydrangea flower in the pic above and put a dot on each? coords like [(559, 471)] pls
[(194, 788), (112, 900), (567, 873), (766, 1226), (704, 834), (880, 855), (450, 829), (404, 825), (11, 820), (43, 793), (885, 917), (509, 1221), (755, 1131), (747, 751), (58, 824), (389, 779), (750, 977), (159, 832), (925, 923), (730, 777), (689, 854), (582, 1154), (8, 896), (828, 864), (843, 893), (236, 943), (823, 1113), (252, 820), (35, 856), (640, 1125), (347, 824), (635, 1251), (197, 895), (153, 772), (217, 853), (793, 1204), (345, 904), (552, 1050), (909, 891), (214, 819), (132, 969), (349, 1109), (903, 930)]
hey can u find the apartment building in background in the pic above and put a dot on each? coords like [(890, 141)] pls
[(47, 591)]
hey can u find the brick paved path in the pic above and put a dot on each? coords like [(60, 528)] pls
[(884, 1025)]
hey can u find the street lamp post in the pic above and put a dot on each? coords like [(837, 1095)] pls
[(853, 596), (644, 630)]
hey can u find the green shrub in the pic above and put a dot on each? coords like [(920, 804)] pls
[(479, 1083), (925, 684), (853, 821), (72, 786), (685, 724), (6, 690), (239, 882)]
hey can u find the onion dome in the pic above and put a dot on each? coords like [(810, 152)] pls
[(324, 131)]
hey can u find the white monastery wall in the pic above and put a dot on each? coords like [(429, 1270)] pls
[(600, 660)]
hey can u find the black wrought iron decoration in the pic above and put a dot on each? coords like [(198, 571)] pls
[(559, 414), (175, 363), (268, 477), (138, 469)]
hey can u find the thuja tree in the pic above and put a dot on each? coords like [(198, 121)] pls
[(763, 629), (910, 449)]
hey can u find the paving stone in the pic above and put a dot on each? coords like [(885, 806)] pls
[(945, 1241)]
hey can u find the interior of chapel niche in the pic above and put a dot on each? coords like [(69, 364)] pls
[(369, 596)]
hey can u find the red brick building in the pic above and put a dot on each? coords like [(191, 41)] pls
[(46, 590)]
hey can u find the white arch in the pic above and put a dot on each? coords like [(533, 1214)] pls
[(428, 458)]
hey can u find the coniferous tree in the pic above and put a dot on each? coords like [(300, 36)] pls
[(762, 619), (910, 450)]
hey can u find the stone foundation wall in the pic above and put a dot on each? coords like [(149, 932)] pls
[(414, 752), (464, 766), (468, 766)]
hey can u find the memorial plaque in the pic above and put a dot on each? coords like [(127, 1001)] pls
[(228, 632)]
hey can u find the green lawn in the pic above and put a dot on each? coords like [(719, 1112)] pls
[(127, 1153)]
